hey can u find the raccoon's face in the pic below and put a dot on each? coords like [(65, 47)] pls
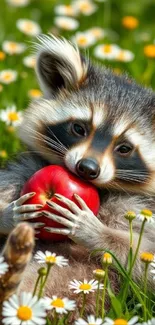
[(100, 126)]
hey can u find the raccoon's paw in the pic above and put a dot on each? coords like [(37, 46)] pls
[(81, 225), (25, 212)]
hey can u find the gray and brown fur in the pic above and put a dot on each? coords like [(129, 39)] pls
[(113, 110)]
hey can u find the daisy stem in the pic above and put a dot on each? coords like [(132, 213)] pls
[(145, 290), (138, 245), (133, 262), (43, 281), (83, 305), (131, 243), (36, 285), (97, 298), (104, 289)]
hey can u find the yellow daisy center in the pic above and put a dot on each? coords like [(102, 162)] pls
[(13, 116), (130, 215), (107, 257), (3, 154), (96, 32), (65, 24), (100, 271), (107, 48), (58, 303), (35, 93), (69, 9), (85, 286), (28, 26), (84, 6), (2, 55), (50, 259), (149, 51), (82, 40), (24, 313), (147, 213), (7, 76), (120, 321), (13, 46), (121, 56), (130, 22), (146, 257)]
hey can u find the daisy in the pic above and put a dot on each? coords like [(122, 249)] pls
[(66, 10), (85, 286), (2, 56), (35, 93), (99, 274), (10, 116), (130, 215), (84, 39), (26, 309), (30, 61), (106, 51), (8, 76), (91, 320), (50, 258), (125, 56), (18, 3), (13, 47), (147, 257), (66, 23), (61, 306), (130, 22), (149, 51), (3, 154), (97, 32), (28, 27), (107, 258), (120, 321), (3, 266), (85, 7), (147, 215)]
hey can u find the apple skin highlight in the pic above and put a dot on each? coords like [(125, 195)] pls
[(56, 179)]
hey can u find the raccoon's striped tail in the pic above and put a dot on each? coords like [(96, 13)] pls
[(17, 253)]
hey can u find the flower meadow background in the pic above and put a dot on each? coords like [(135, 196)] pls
[(116, 33)]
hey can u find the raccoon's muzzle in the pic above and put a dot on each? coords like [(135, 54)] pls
[(88, 168)]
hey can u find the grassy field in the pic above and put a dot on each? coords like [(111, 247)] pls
[(116, 33)]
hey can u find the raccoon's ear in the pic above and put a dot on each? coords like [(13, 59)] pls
[(59, 65)]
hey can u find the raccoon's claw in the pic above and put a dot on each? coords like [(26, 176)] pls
[(22, 212), (79, 221), (59, 231), (26, 216)]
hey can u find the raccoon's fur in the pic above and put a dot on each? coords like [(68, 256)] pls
[(101, 126)]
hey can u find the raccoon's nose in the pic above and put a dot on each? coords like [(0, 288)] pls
[(88, 168)]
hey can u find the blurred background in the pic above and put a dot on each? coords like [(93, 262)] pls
[(116, 33)]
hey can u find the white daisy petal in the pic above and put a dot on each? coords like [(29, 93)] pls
[(25, 310), (3, 266), (51, 258), (66, 23), (84, 286), (28, 27), (8, 76), (18, 3), (11, 116), (11, 47)]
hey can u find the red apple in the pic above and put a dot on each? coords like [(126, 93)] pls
[(56, 179)]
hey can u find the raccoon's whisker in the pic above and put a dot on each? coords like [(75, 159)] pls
[(53, 142), (52, 133)]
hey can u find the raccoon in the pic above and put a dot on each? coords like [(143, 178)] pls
[(101, 127)]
